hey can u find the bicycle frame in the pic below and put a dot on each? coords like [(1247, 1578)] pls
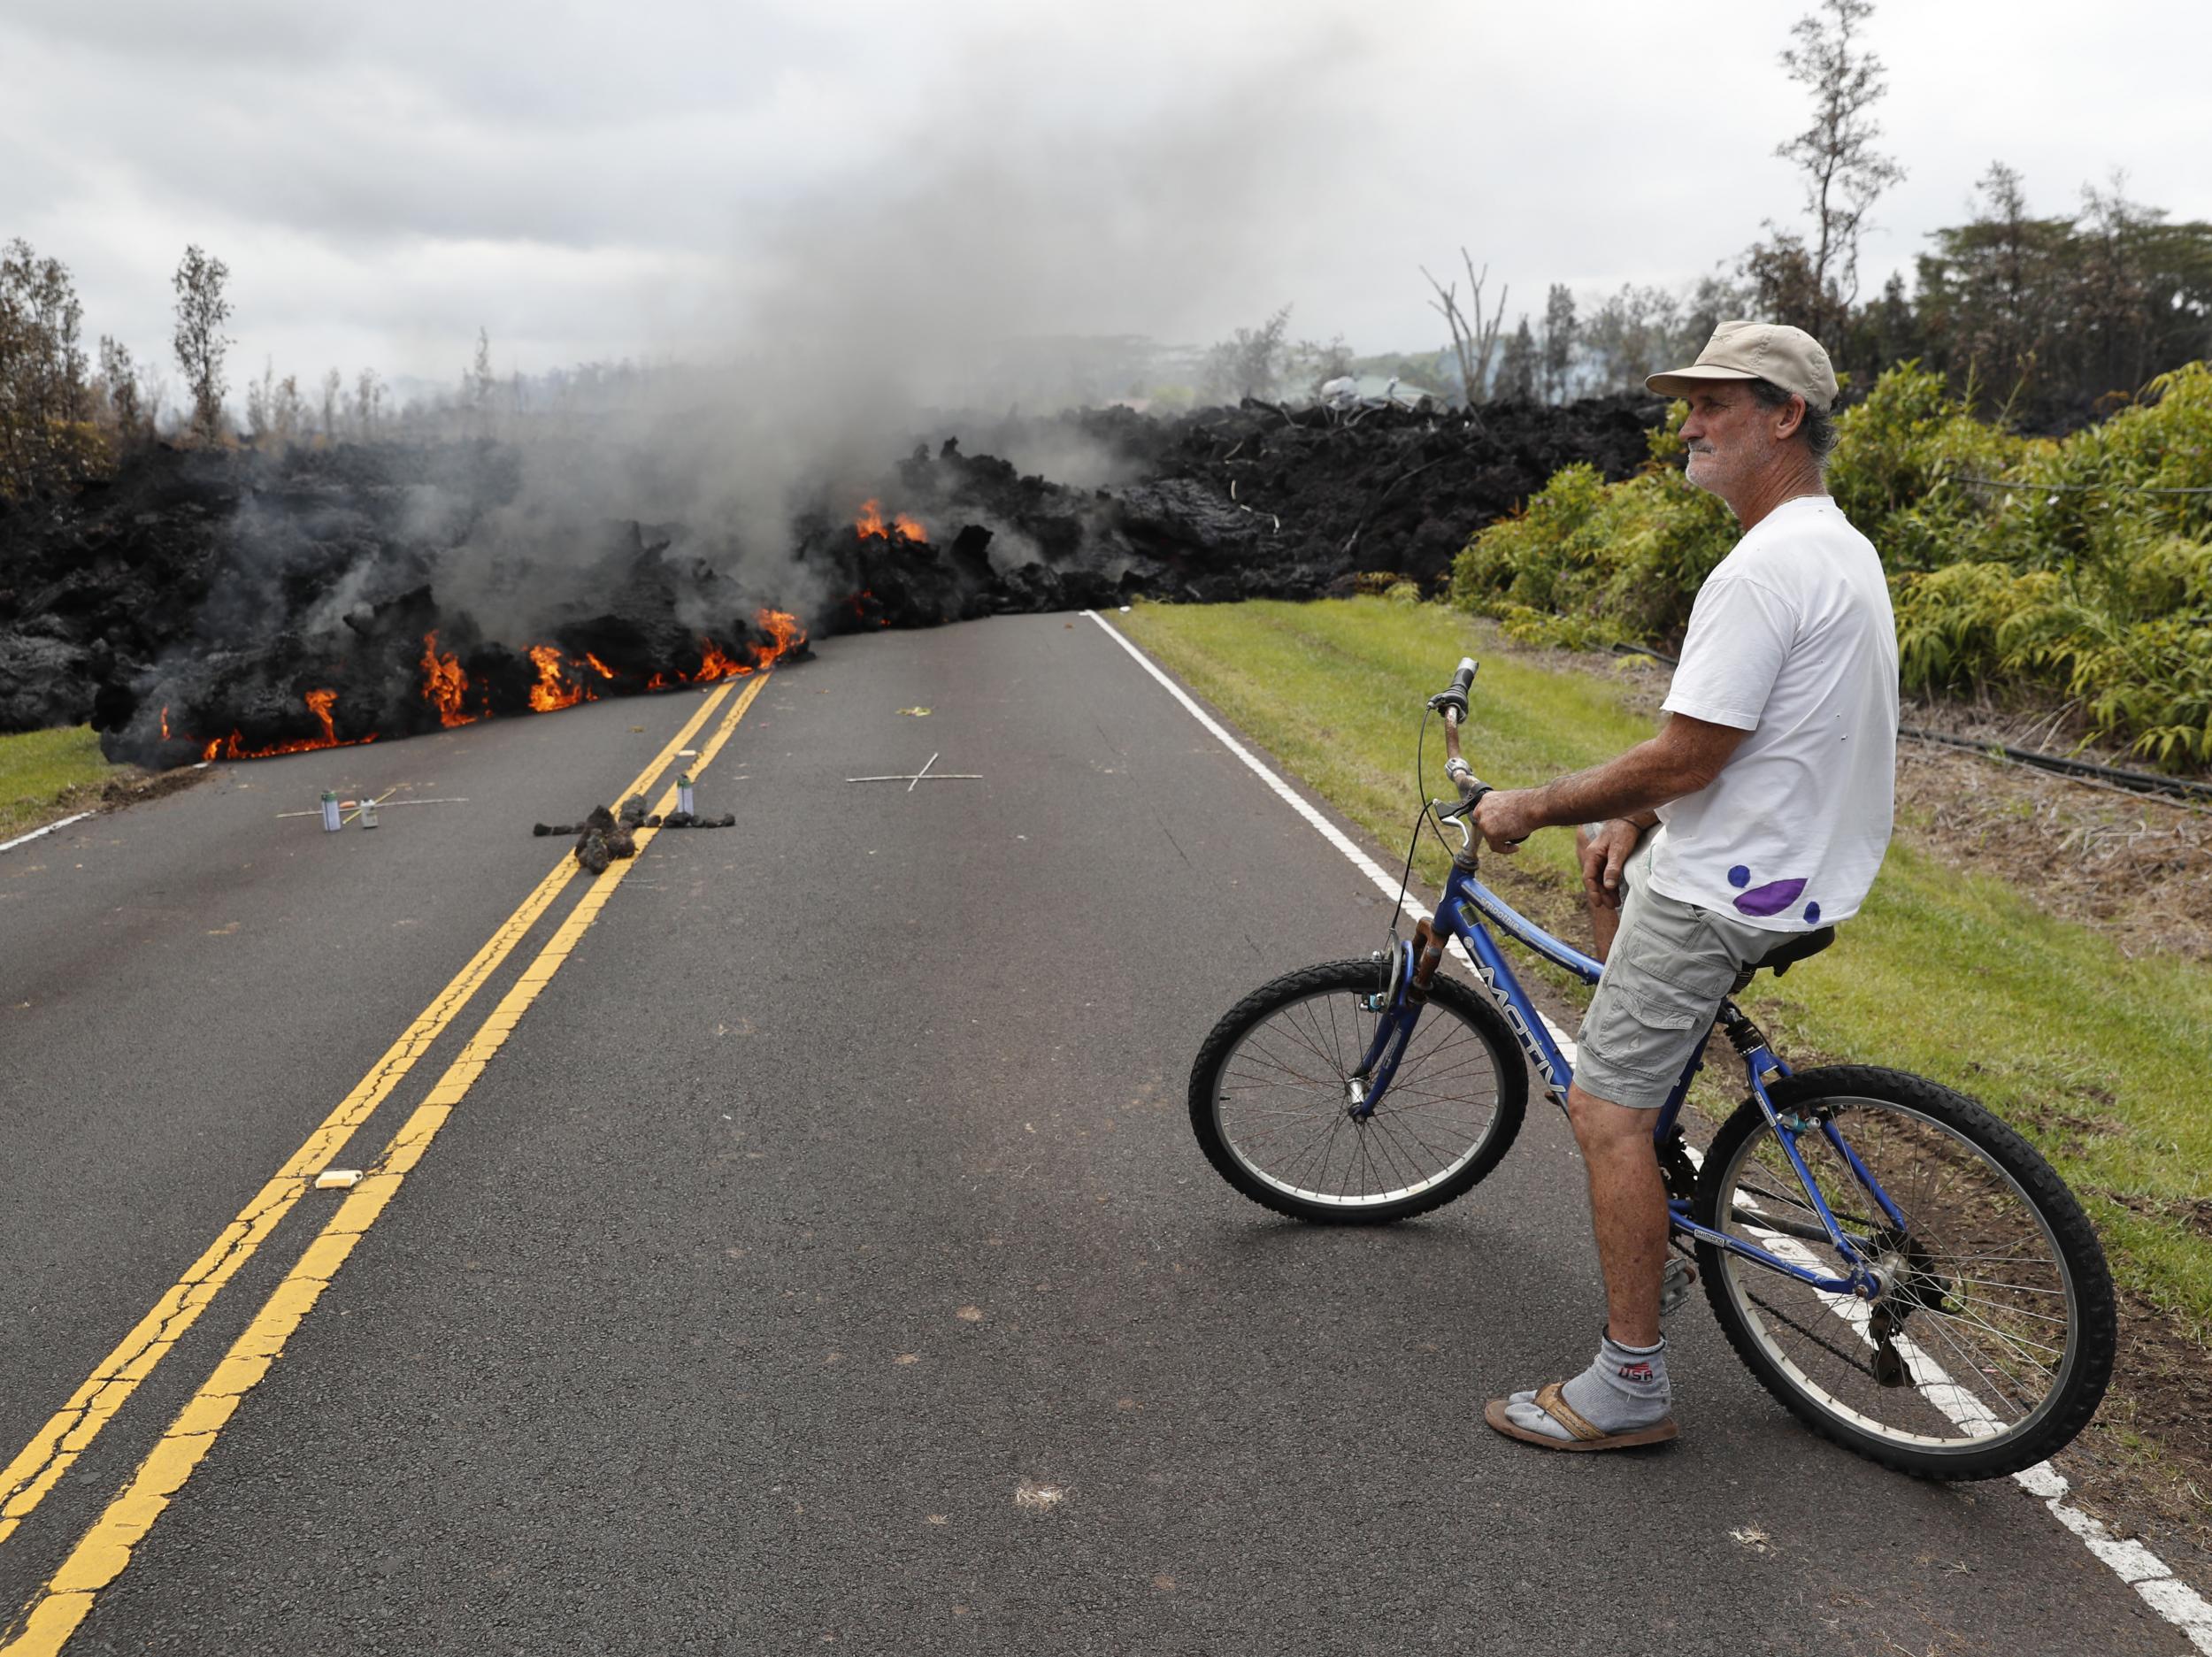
[(1461, 912)]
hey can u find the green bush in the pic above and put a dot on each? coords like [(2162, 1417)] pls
[(2024, 561)]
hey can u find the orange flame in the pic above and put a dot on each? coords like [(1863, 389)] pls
[(717, 663), (870, 522), (553, 689), (322, 702), (444, 684), (783, 631), (597, 666), (164, 724)]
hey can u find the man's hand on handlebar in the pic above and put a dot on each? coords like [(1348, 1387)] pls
[(1603, 854), (1505, 816)]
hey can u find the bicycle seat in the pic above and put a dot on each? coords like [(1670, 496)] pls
[(1804, 944), (1782, 956)]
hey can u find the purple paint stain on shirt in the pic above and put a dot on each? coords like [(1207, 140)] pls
[(1771, 899)]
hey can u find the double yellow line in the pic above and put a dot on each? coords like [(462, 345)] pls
[(100, 1555)]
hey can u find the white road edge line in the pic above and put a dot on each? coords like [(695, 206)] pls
[(2151, 1577), (22, 840)]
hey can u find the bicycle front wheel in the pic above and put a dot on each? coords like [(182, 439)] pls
[(1271, 1107), (1991, 1343)]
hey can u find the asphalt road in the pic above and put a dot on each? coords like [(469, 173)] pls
[(825, 1257)]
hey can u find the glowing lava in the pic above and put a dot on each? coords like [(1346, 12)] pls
[(783, 630), (444, 684), (870, 523), (319, 702), (554, 689), (716, 663)]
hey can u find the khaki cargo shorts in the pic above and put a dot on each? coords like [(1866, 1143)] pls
[(1670, 966)]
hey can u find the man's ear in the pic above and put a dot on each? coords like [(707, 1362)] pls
[(1793, 413)]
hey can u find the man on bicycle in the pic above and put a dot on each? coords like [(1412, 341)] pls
[(1761, 810)]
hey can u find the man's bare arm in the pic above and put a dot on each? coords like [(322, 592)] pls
[(1686, 756)]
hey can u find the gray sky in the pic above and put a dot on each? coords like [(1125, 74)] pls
[(594, 180)]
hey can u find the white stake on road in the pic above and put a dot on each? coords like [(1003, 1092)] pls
[(912, 779)]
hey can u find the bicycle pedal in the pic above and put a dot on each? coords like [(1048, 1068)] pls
[(1675, 1283)]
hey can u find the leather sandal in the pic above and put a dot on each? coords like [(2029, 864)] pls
[(1582, 1435)]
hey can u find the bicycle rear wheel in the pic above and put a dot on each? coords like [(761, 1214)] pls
[(1992, 1343), (1271, 1107)]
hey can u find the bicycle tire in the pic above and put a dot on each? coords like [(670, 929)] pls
[(2000, 1352), (1463, 1137)]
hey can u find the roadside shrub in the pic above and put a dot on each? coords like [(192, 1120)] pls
[(1587, 563)]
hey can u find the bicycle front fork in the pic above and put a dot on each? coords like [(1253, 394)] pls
[(1413, 964)]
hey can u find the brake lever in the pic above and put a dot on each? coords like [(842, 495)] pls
[(1457, 817)]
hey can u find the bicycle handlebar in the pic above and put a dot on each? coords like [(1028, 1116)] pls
[(1451, 701)]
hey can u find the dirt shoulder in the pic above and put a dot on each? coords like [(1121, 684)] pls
[(130, 786)]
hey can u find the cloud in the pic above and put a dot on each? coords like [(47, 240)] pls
[(605, 181)]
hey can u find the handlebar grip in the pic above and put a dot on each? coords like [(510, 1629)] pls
[(1451, 701)]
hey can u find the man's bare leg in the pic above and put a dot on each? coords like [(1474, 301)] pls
[(1623, 1394), (1628, 1211)]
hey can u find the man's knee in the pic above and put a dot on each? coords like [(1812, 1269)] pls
[(1600, 1125)]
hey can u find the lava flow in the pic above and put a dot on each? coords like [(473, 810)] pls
[(870, 523), (319, 701), (784, 635)]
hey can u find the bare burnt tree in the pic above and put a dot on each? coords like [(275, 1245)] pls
[(260, 401), (287, 411), (479, 382), (201, 309), (1474, 338), (153, 392), (1559, 341), (333, 380), (368, 402), (119, 378), (1520, 365), (1811, 278)]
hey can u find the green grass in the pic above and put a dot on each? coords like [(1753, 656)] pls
[(41, 772), (1948, 972)]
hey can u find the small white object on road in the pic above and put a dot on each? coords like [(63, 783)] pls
[(337, 1179)]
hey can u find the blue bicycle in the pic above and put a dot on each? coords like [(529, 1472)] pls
[(1897, 1266)]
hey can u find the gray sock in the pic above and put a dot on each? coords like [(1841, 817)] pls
[(1624, 1388)]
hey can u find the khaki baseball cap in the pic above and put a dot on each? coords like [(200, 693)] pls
[(1788, 358)]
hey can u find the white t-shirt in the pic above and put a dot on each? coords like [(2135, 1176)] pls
[(1791, 639)]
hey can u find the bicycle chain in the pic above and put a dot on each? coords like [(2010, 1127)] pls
[(1849, 1362)]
